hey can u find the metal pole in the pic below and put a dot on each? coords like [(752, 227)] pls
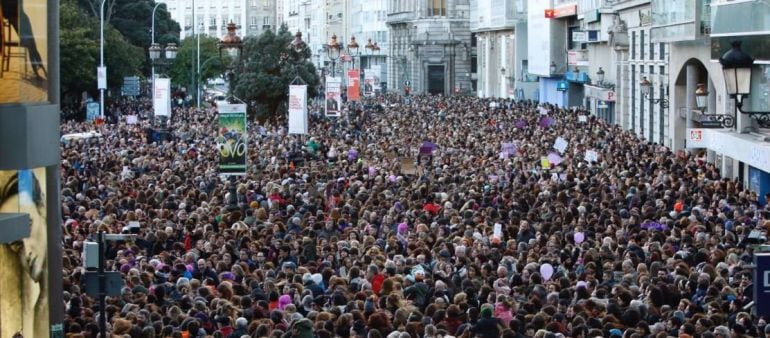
[(101, 57), (192, 65), (152, 37), (102, 287), (198, 60)]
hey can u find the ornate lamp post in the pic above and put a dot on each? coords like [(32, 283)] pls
[(646, 87), (736, 67), (600, 76), (333, 52), (353, 50), (232, 45)]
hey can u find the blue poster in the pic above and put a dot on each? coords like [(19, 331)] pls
[(92, 111), (762, 283), (759, 181)]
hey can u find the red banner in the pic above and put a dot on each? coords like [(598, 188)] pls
[(354, 85)]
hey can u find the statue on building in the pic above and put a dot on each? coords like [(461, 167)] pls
[(618, 33)]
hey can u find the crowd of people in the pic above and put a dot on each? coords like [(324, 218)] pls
[(440, 217)]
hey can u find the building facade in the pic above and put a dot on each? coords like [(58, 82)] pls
[(500, 62), (430, 46), (367, 25), (261, 16), (700, 32), (210, 17)]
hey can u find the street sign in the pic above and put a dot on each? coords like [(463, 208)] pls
[(114, 283), (131, 86)]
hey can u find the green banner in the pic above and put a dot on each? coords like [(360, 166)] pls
[(231, 139)]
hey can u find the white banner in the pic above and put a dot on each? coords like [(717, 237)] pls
[(161, 102), (376, 72), (333, 104), (101, 77), (369, 83), (298, 109)]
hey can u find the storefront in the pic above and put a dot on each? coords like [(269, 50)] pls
[(601, 102)]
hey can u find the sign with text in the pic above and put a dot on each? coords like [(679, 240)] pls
[(298, 109), (232, 139), (92, 111), (161, 102), (369, 83), (354, 84), (333, 102)]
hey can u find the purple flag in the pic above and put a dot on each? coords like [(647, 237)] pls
[(521, 124)]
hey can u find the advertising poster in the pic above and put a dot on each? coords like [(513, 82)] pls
[(333, 104), (24, 279), (231, 139), (376, 70), (354, 85), (298, 109), (369, 83), (92, 111), (161, 102), (24, 72)]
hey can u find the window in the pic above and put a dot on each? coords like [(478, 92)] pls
[(662, 55), (641, 45), (265, 3), (253, 20), (633, 45), (436, 7), (253, 3), (213, 22), (266, 20)]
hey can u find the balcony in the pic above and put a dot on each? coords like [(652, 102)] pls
[(497, 15), (683, 20), (399, 17), (739, 18)]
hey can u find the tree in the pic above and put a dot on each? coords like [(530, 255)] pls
[(78, 51), (267, 67), (211, 65)]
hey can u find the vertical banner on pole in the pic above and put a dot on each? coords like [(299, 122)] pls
[(298, 109), (232, 139), (369, 82), (354, 83), (376, 71), (333, 103), (161, 102)]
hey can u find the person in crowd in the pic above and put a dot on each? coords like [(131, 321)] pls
[(525, 220)]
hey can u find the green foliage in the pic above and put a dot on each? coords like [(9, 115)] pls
[(78, 50), (126, 34), (211, 64), (266, 69)]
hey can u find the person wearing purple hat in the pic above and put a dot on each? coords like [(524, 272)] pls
[(283, 301)]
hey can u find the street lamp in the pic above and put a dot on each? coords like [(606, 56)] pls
[(232, 45), (736, 67), (706, 119), (646, 88), (701, 96), (353, 50), (297, 46), (600, 75), (333, 52)]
